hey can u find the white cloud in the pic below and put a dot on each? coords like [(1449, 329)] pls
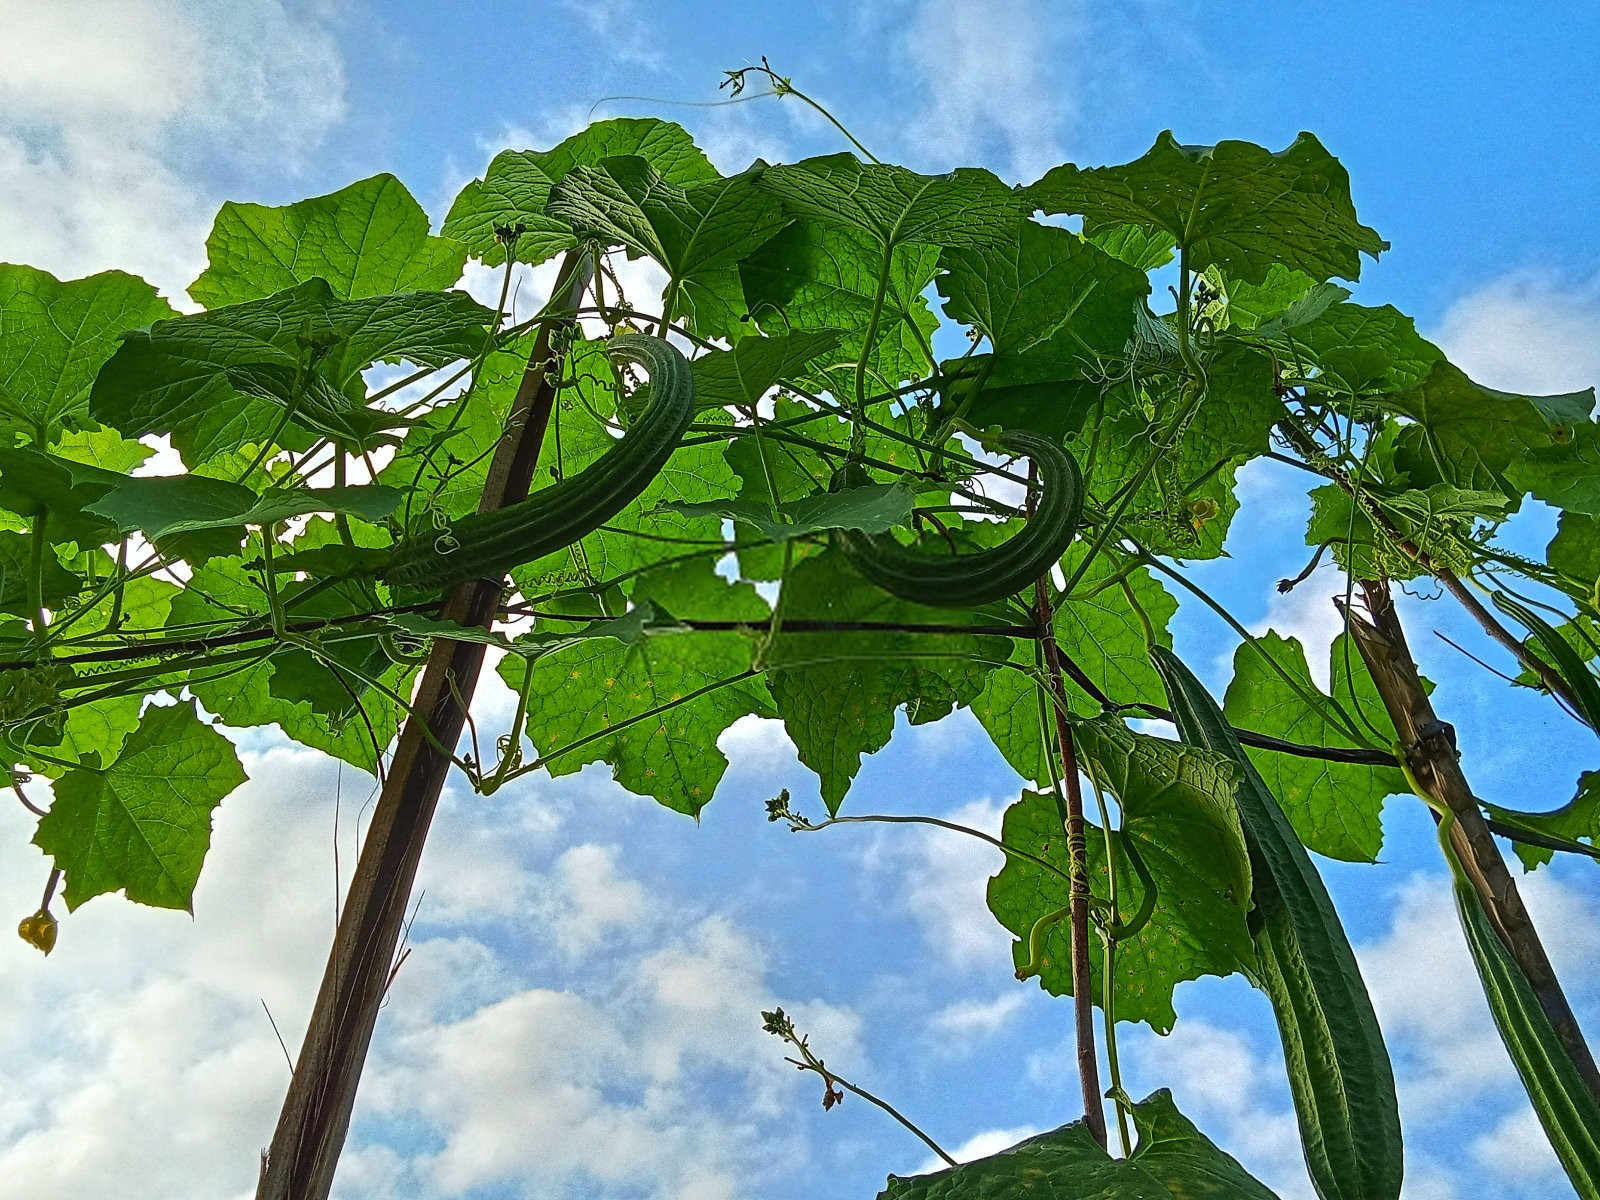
[(1516, 1149), (1428, 999), (1530, 331), (627, 33), (968, 1020), (138, 1006), (561, 1090), (979, 1145), (939, 879), (104, 117), (758, 745), (599, 900), (1308, 613), (1426, 1182), (1018, 89), (589, 1077), (1234, 1094)]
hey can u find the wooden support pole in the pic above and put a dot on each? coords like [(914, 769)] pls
[(1433, 760), (316, 1111)]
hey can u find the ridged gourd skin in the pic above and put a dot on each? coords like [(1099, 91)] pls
[(1565, 1108), (1339, 1072), (965, 580), (487, 545)]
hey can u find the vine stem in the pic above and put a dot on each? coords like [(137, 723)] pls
[(37, 547), (808, 1061), (1082, 994), (315, 1116), (1432, 760), (1448, 579), (1005, 848)]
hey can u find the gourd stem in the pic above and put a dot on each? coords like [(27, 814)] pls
[(1082, 996), (37, 549), (1108, 945)]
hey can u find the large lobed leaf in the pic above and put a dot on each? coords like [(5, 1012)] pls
[(142, 823), (183, 377), (515, 190), (838, 693), (1050, 303), (1177, 806), (54, 337), (697, 233), (1334, 807), (368, 239), (1234, 204), (599, 699)]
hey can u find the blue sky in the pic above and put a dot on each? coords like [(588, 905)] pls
[(580, 1012)]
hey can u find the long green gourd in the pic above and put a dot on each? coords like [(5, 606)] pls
[(1566, 1110), (1339, 1071), (964, 580), (1569, 664), (487, 545)]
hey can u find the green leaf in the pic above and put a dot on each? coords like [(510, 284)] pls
[(368, 239), (1468, 435), (1236, 415), (1335, 808), (143, 823), (97, 729), (838, 694), (1173, 1161), (223, 593), (604, 687), (1367, 351), (813, 277), (54, 336), (871, 508), (1234, 204), (1268, 305), (1045, 296), (33, 483), (1190, 1165), (1185, 504), (1575, 549), (164, 506), (747, 372), (663, 144), (103, 448), (1441, 520), (698, 234), (515, 189), (1145, 249), (892, 205), (179, 376), (1099, 630), (1566, 474), (16, 572), (1178, 810), (1064, 1164), (1578, 820)]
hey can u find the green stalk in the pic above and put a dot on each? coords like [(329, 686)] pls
[(37, 548)]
